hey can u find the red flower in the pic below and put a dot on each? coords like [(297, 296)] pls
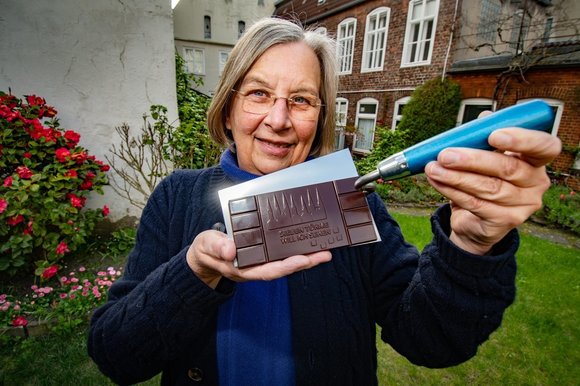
[(62, 248), (77, 202), (72, 138), (79, 158), (90, 175), (8, 181), (20, 321), (15, 220), (103, 167), (24, 172), (27, 155), (3, 205), (52, 270), (71, 173), (106, 211), (86, 185), (62, 154), (33, 100), (28, 230)]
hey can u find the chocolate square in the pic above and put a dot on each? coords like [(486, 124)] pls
[(273, 226)]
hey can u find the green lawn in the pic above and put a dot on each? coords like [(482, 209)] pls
[(536, 345)]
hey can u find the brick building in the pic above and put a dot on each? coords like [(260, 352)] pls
[(387, 48)]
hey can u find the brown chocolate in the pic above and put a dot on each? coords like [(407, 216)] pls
[(273, 226)]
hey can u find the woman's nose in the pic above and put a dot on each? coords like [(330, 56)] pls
[(279, 116)]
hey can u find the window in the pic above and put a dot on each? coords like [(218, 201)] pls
[(207, 27), (420, 34), (194, 61), (375, 39), (557, 106), (398, 112), (471, 108), (345, 40), (241, 28), (340, 122), (366, 118), (489, 20), (223, 58), (548, 29)]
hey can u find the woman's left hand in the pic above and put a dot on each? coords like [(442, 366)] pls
[(492, 192)]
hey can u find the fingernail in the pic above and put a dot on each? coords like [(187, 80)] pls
[(435, 170), (502, 139), (449, 157)]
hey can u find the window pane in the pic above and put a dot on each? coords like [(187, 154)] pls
[(471, 112), (364, 136), (367, 108)]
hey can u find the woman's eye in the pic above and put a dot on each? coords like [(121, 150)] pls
[(258, 93), (300, 100)]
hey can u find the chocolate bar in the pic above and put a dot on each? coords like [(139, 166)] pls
[(272, 226)]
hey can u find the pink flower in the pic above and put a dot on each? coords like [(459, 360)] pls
[(82, 269), (572, 193), (8, 181), (62, 296), (20, 321), (23, 172), (62, 248), (49, 272), (62, 154), (4, 205)]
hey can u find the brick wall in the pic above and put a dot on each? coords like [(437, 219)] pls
[(393, 82), (562, 84)]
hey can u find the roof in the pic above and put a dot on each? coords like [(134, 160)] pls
[(550, 54)]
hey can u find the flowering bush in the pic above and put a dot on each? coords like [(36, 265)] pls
[(66, 299), (561, 208), (45, 179)]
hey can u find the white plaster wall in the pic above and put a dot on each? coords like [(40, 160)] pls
[(99, 63)]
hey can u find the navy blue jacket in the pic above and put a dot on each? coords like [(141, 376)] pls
[(434, 307)]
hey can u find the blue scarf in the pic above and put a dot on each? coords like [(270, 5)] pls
[(254, 332)]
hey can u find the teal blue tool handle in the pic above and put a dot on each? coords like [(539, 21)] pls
[(533, 115)]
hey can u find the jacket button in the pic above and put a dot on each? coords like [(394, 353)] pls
[(195, 374)]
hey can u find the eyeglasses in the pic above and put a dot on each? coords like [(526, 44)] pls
[(260, 102)]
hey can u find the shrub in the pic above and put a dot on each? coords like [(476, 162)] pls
[(46, 178), (561, 208), (432, 109), (388, 142), (62, 296)]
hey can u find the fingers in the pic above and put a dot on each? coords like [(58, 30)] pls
[(212, 254), (535, 147)]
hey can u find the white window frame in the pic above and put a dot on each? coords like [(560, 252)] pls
[(222, 60), (398, 117), (359, 115), (345, 45), (558, 104), (340, 121), (421, 20), (373, 50), (473, 102), (190, 65)]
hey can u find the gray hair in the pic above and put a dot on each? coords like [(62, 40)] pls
[(254, 42)]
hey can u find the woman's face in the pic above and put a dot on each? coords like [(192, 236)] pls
[(269, 142)]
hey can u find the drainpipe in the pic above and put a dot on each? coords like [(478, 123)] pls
[(450, 40)]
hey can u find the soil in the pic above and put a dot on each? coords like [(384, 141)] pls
[(531, 227)]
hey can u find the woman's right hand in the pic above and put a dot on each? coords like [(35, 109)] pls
[(211, 257)]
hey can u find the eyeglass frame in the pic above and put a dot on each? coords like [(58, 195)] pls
[(289, 103)]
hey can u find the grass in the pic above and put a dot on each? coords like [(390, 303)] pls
[(537, 343)]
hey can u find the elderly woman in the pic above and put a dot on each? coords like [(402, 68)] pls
[(183, 309)]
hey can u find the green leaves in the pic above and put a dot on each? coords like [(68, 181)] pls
[(42, 213)]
